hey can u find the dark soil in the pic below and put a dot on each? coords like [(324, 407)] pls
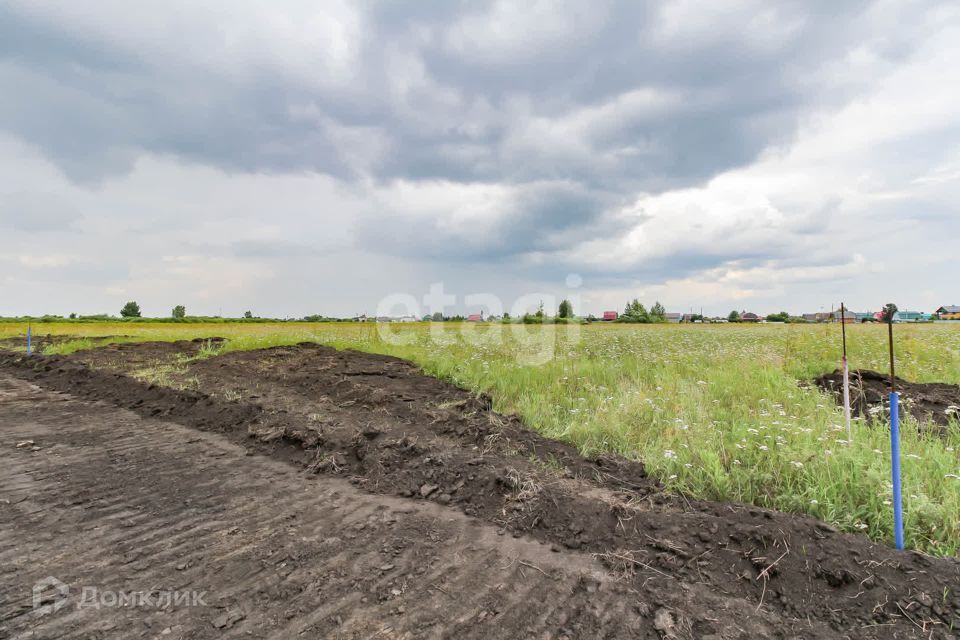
[(130, 357), (702, 569), (933, 401)]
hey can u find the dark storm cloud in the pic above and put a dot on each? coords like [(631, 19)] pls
[(93, 104), (572, 108), (534, 217)]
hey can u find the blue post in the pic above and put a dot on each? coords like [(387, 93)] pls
[(29, 341), (895, 454)]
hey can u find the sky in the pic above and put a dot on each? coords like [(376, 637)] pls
[(294, 157)]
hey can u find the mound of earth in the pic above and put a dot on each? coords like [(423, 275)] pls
[(870, 394), (693, 569), (130, 357)]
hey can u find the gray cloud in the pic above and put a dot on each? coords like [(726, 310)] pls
[(430, 89), (515, 136)]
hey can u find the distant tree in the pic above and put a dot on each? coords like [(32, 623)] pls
[(634, 312), (130, 310), (783, 316), (734, 316), (73, 316), (540, 313), (658, 313), (506, 315), (565, 310), (437, 317), (179, 311), (889, 311), (247, 315)]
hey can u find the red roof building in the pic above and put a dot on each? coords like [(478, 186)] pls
[(475, 317), (609, 316)]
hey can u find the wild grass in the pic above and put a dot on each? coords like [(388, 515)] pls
[(717, 412)]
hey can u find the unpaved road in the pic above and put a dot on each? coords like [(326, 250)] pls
[(115, 502), (322, 494)]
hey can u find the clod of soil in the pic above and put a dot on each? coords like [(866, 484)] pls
[(870, 395), (697, 569)]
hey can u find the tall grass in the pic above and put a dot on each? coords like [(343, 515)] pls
[(717, 412)]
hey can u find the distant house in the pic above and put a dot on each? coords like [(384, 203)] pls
[(911, 316), (673, 317), (610, 316), (475, 317), (747, 316), (847, 316), (949, 312)]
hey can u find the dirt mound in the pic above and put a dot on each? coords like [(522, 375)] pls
[(129, 357), (388, 429), (870, 394)]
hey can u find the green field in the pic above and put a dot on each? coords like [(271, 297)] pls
[(716, 412)]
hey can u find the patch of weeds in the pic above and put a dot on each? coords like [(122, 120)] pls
[(209, 349), (67, 347), (525, 488), (550, 464), (172, 376), (451, 404)]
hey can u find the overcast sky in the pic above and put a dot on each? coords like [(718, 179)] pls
[(296, 156)]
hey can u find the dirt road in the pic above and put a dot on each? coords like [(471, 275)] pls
[(304, 492), (118, 503)]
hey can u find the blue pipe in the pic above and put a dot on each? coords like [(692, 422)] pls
[(895, 454), (29, 341)]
